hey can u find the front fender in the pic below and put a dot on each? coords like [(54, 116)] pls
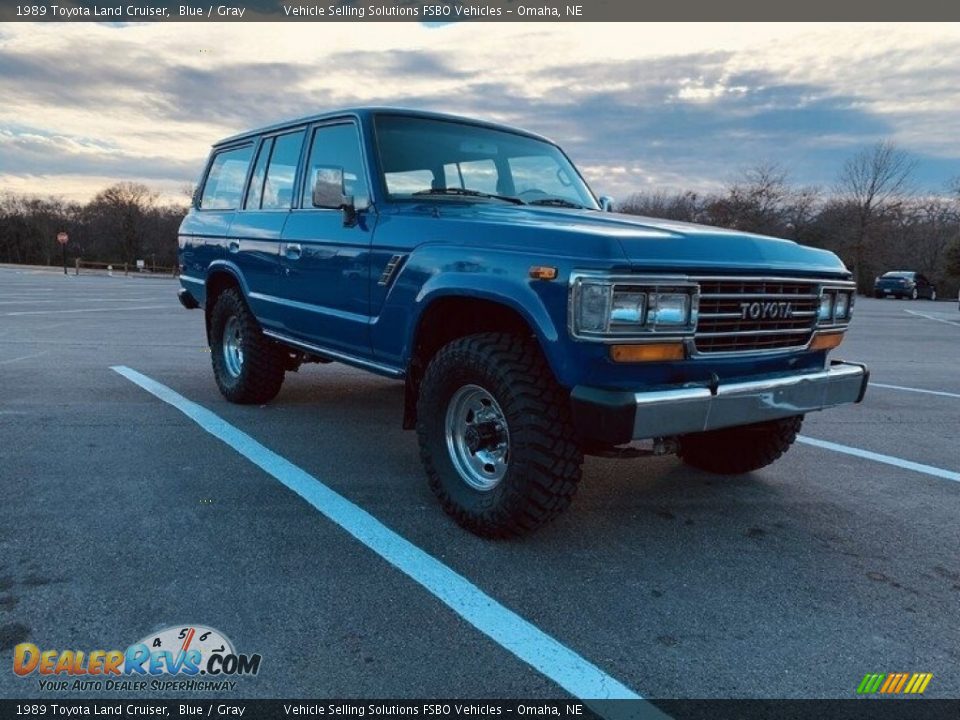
[(433, 273)]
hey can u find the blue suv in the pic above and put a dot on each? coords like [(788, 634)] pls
[(529, 324)]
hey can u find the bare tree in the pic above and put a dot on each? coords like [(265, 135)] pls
[(874, 182), (121, 211)]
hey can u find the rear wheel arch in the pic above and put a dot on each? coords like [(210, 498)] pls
[(218, 281)]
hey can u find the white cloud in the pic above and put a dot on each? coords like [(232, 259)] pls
[(672, 104)]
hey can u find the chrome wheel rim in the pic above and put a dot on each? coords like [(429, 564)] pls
[(478, 438), (233, 347)]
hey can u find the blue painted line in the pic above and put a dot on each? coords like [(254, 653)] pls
[(885, 459), (548, 656)]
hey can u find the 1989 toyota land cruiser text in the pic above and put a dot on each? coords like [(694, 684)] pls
[(530, 325)]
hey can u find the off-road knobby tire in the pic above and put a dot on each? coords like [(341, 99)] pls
[(544, 463), (737, 450), (262, 372)]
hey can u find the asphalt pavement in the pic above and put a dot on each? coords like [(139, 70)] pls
[(120, 516)]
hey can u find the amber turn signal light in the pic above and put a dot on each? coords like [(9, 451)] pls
[(826, 341), (651, 352), (543, 272)]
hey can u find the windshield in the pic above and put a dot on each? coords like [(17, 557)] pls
[(424, 157)]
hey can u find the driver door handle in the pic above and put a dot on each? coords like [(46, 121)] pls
[(293, 251)]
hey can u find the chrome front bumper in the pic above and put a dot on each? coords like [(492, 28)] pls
[(618, 417)]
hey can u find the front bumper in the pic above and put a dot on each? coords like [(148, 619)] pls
[(617, 417)]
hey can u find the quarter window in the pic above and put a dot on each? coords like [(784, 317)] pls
[(223, 189)]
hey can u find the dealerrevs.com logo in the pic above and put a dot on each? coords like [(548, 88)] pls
[(182, 657)]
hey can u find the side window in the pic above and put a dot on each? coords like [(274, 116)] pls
[(282, 171), (337, 146), (255, 191), (223, 189)]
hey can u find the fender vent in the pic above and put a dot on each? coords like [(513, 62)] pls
[(390, 270)]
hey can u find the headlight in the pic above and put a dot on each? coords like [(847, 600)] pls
[(836, 306), (608, 308), (825, 314), (669, 309), (594, 307), (841, 308), (628, 307)]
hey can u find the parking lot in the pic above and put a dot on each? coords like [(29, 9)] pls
[(122, 515)]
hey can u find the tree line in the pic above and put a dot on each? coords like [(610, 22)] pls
[(123, 223), (872, 217)]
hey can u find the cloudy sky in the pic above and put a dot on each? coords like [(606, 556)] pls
[(638, 107)]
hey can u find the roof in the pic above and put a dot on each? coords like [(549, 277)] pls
[(367, 112)]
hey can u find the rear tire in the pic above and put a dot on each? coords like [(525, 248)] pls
[(737, 450), (248, 367), (496, 437), (914, 294), (933, 295)]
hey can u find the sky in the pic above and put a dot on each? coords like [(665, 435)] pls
[(638, 107)]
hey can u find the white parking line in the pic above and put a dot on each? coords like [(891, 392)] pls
[(885, 459), (85, 310), (74, 299), (23, 357), (915, 390), (550, 657), (931, 317)]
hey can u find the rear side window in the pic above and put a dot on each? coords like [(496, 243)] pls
[(223, 189), (282, 171), (255, 192)]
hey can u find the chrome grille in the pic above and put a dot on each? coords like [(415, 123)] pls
[(722, 327)]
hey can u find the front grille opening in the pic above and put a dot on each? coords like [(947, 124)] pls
[(729, 321)]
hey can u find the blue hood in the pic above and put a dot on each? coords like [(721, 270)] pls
[(641, 243)]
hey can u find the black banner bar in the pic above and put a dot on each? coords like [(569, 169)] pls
[(853, 709), (470, 11)]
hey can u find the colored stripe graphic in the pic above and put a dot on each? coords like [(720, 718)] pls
[(918, 683), (894, 683)]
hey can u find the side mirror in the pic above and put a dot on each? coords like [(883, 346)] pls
[(328, 193), (606, 203)]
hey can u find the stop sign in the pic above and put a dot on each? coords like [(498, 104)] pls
[(62, 238)]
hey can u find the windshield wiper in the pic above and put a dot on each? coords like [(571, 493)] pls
[(465, 192), (558, 202)]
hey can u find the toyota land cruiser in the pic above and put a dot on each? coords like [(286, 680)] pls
[(529, 324)]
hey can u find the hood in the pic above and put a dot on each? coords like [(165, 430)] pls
[(646, 243)]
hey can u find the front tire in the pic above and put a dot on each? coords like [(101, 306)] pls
[(914, 294), (737, 450), (248, 367), (496, 437), (933, 295)]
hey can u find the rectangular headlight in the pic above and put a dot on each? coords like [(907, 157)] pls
[(594, 307), (841, 308), (628, 307), (669, 309), (614, 307), (825, 313)]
